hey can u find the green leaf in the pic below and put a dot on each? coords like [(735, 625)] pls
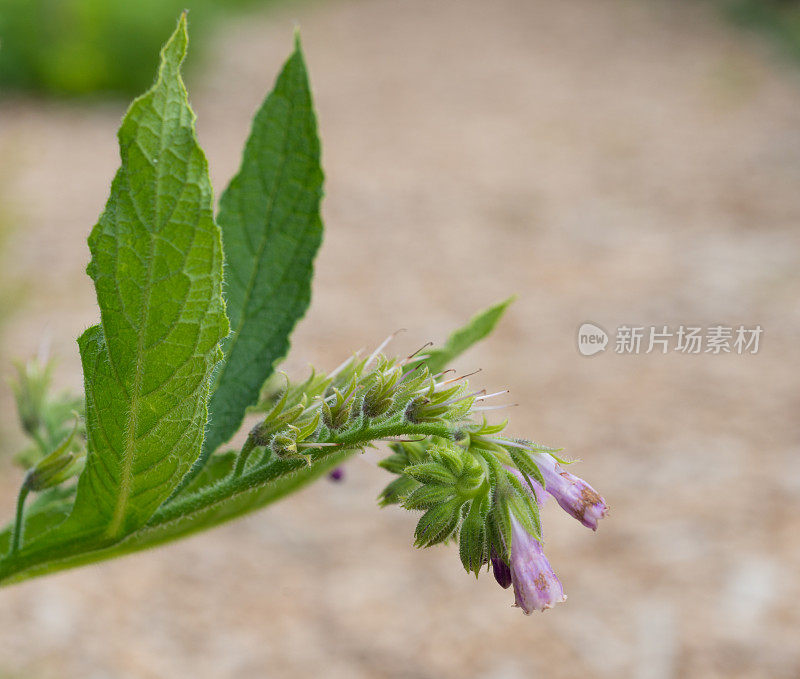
[(157, 268), (478, 327), (271, 229)]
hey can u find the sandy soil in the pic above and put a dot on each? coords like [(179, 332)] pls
[(610, 161)]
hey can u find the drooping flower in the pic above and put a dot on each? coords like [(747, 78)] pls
[(573, 494), (536, 586), (501, 571)]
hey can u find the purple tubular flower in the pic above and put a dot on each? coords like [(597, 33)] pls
[(573, 494), (336, 474), (501, 571), (536, 586)]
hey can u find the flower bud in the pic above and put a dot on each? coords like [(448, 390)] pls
[(573, 494), (284, 445), (30, 391), (56, 467), (337, 416), (501, 571), (536, 586)]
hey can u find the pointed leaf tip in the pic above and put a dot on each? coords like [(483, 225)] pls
[(478, 327), (174, 50)]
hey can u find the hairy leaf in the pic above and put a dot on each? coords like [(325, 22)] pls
[(157, 268), (271, 229), (478, 327)]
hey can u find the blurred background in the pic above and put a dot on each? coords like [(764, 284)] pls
[(615, 161)]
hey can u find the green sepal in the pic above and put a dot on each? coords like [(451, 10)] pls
[(451, 458), (438, 523), (431, 472), (499, 518), (426, 497), (526, 466), (395, 463), (473, 543), (396, 491), (524, 507)]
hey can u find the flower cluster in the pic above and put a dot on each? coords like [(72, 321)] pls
[(493, 508), (472, 484)]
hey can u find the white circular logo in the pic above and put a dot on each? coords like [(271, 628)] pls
[(592, 339)]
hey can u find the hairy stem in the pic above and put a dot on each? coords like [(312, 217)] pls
[(228, 499), (241, 460), (18, 519)]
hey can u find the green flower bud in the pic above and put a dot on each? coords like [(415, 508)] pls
[(284, 445), (30, 392), (57, 467)]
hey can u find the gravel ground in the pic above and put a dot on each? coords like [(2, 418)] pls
[(609, 160)]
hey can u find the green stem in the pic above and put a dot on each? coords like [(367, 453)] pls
[(241, 461), (211, 506), (18, 519)]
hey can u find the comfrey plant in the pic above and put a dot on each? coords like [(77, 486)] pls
[(178, 359)]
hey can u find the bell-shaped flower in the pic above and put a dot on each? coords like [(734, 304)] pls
[(573, 494), (536, 586)]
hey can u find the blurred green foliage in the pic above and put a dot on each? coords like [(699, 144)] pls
[(779, 19), (79, 47)]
